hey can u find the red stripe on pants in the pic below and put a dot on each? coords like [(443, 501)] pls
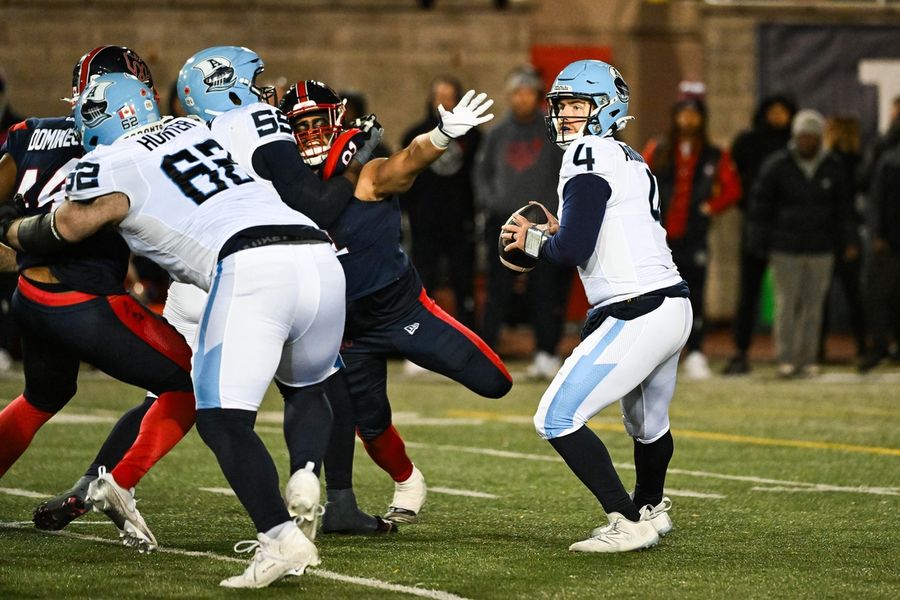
[(432, 307), (151, 328)]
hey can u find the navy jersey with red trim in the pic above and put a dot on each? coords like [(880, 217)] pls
[(367, 236), (45, 150)]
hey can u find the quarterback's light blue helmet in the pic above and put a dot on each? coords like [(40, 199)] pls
[(600, 84), (112, 106), (219, 79)]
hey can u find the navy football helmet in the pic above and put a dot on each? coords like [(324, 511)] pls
[(602, 86), (110, 59), (314, 98), (113, 106), (220, 79)]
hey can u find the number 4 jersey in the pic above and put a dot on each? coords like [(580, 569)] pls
[(45, 150), (187, 197), (631, 256)]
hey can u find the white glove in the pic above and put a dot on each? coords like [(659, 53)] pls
[(467, 114)]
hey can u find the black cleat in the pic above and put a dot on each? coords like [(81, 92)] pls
[(343, 516), (55, 513), (58, 512)]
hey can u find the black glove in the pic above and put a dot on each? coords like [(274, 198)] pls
[(9, 212)]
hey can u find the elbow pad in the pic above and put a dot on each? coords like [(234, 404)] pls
[(38, 235)]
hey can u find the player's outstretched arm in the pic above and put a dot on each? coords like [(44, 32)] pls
[(71, 222), (394, 175)]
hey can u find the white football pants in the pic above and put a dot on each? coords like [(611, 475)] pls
[(272, 311), (632, 361)]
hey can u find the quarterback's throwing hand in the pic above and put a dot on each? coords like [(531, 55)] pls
[(468, 113)]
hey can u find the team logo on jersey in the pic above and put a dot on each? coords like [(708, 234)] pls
[(93, 110), (218, 74), (411, 328)]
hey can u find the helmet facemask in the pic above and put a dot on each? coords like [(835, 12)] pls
[(565, 130), (265, 93), (315, 128)]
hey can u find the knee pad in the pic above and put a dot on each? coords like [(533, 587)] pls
[(644, 432)]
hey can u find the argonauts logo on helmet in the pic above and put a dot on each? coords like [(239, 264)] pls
[(93, 110), (218, 73), (619, 82)]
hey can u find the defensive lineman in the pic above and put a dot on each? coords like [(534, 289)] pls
[(177, 197), (609, 227)]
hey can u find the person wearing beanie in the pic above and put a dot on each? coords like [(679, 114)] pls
[(697, 180), (770, 133), (516, 164), (802, 202)]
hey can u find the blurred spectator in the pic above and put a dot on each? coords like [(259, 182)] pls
[(697, 180), (175, 108), (842, 138), (441, 208), (800, 205), (770, 133), (516, 164), (884, 270), (355, 107)]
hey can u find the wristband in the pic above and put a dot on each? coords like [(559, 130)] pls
[(440, 139), (534, 241)]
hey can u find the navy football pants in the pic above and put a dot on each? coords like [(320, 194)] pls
[(416, 329), (116, 334)]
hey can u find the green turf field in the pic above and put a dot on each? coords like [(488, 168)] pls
[(780, 489)]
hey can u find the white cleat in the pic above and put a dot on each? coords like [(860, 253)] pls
[(288, 554), (302, 496), (544, 367), (119, 505), (657, 515), (409, 496), (621, 535)]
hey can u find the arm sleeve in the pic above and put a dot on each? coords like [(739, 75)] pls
[(298, 186), (584, 197)]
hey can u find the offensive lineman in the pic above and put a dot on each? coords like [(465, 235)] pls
[(275, 305), (74, 307), (609, 227)]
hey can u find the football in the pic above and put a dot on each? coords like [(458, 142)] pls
[(515, 259)]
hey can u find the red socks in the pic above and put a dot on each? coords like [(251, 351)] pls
[(389, 452), (167, 421), (19, 421)]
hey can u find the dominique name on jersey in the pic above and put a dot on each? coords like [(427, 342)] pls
[(631, 256), (45, 151)]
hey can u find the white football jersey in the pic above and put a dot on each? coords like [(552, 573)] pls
[(631, 256), (187, 197), (242, 130)]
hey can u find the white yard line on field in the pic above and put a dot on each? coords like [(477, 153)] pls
[(693, 494), (324, 574), (436, 490), (467, 493), (878, 491), (23, 493)]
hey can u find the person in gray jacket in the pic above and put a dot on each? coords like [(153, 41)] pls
[(800, 209), (516, 164)]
